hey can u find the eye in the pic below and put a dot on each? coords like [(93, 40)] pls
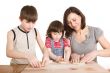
[(74, 19), (55, 33)]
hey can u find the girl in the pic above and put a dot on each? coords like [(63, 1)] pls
[(58, 47)]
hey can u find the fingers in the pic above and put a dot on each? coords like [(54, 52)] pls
[(75, 58), (36, 64), (43, 63)]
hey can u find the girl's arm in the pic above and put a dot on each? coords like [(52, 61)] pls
[(53, 56), (67, 52)]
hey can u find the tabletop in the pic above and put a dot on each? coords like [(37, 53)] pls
[(55, 68)]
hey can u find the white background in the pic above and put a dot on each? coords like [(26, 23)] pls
[(97, 14)]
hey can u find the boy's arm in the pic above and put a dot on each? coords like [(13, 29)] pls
[(40, 43), (43, 49), (10, 52)]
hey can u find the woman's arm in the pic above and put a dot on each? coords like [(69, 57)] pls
[(104, 53), (105, 45)]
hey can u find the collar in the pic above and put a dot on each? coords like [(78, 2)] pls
[(20, 28)]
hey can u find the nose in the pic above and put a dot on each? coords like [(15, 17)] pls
[(73, 22)]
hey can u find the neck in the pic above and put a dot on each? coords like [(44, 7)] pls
[(21, 28), (79, 32)]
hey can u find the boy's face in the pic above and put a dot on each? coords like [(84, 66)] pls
[(56, 36), (27, 26)]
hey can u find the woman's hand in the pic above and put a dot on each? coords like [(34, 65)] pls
[(75, 58), (89, 57)]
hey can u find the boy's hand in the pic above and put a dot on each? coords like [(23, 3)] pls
[(45, 60), (34, 62)]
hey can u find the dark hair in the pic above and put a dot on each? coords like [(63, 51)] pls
[(75, 10), (55, 26), (29, 13)]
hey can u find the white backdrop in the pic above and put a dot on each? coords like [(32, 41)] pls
[(97, 13)]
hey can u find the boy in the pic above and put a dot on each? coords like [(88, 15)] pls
[(21, 41)]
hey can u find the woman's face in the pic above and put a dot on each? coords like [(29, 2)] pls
[(74, 21)]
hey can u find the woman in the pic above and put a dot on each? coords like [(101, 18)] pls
[(83, 38)]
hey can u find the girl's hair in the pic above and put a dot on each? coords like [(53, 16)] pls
[(55, 26), (29, 13), (69, 30)]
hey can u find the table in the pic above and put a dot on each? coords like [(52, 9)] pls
[(55, 68)]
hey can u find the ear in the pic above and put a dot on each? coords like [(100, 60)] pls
[(20, 18)]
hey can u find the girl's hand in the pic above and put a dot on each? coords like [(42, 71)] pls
[(59, 59)]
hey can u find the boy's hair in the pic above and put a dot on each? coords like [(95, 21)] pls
[(29, 13), (55, 26)]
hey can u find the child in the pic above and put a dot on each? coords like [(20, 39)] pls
[(21, 41), (58, 46)]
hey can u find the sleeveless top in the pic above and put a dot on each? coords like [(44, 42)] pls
[(24, 42), (89, 44)]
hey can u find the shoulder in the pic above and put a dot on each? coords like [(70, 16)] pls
[(10, 35), (10, 32), (96, 31), (66, 40), (94, 28), (48, 39)]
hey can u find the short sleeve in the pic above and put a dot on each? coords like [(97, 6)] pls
[(66, 42), (48, 42), (98, 32)]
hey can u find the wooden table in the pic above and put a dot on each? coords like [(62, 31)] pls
[(54, 68)]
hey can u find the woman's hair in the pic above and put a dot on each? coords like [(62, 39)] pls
[(29, 13), (55, 26), (69, 30)]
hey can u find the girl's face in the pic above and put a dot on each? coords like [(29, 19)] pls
[(56, 36), (27, 26), (74, 21)]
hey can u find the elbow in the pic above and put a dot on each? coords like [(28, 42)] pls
[(9, 54)]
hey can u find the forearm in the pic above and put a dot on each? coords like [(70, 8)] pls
[(45, 52), (52, 56), (67, 56), (104, 53), (16, 54), (67, 53)]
